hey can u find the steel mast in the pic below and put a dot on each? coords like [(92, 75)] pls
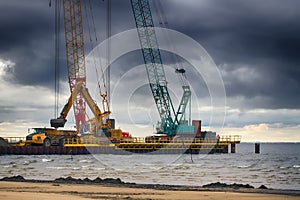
[(75, 54), (156, 75)]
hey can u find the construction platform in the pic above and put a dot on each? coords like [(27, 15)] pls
[(15, 146)]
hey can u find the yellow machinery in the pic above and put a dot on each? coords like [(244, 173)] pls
[(49, 136), (74, 39), (99, 126), (75, 56)]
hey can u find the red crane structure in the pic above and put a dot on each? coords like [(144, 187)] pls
[(75, 54)]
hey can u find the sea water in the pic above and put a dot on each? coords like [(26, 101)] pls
[(277, 167)]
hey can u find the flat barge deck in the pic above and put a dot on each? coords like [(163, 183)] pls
[(221, 145)]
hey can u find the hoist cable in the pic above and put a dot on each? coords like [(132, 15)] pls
[(163, 22), (92, 47), (57, 52), (99, 55)]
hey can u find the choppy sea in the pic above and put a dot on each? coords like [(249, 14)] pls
[(277, 167)]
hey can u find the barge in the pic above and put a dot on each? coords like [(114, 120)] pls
[(224, 144), (186, 141)]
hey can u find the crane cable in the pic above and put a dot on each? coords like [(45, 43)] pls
[(103, 94), (57, 52), (99, 56), (97, 42), (179, 69), (105, 103), (108, 46), (163, 22), (92, 47)]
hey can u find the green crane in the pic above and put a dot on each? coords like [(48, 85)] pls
[(170, 120)]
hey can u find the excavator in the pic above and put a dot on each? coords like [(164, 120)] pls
[(76, 72), (81, 89), (99, 126)]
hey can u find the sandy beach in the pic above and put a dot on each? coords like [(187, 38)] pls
[(29, 191)]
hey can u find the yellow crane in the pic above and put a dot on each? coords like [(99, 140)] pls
[(53, 136), (74, 38), (80, 89), (100, 125), (75, 54), (80, 96)]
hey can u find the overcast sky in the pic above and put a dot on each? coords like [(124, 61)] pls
[(255, 45)]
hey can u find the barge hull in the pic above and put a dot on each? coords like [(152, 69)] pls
[(75, 150)]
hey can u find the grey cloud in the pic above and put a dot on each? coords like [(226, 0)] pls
[(261, 36)]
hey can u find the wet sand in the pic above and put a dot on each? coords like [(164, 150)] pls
[(29, 191)]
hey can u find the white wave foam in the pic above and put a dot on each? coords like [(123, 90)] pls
[(85, 161), (47, 160)]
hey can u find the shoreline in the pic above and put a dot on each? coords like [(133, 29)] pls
[(49, 191), (117, 185)]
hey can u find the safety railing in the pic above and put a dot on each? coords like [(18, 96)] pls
[(230, 138), (142, 140), (14, 140), (86, 141), (165, 140)]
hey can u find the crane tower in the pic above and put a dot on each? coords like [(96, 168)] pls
[(75, 54), (156, 74)]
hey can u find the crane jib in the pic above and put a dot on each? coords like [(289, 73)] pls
[(155, 71), (75, 54)]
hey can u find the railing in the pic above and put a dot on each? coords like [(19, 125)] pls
[(182, 140), (86, 141), (72, 141), (141, 140), (14, 140), (165, 140), (230, 138)]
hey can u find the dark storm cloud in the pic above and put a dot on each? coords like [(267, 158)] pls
[(26, 39), (27, 36), (20, 21), (246, 29), (261, 36)]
